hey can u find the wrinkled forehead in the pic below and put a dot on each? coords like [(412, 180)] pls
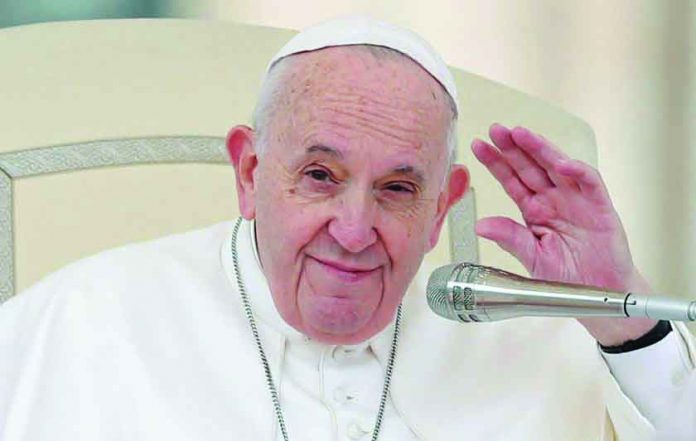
[(348, 97), (361, 67), (368, 85), (365, 64)]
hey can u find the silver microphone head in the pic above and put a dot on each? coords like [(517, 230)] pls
[(447, 302), (436, 292), (466, 292)]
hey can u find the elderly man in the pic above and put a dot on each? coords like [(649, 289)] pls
[(295, 322)]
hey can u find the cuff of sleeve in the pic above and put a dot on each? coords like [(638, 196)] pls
[(657, 333), (651, 377)]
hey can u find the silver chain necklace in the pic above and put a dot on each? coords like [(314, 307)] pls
[(264, 361)]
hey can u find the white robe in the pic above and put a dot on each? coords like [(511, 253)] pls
[(150, 342), (680, 425)]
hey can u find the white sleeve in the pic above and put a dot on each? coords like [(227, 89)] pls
[(654, 377)]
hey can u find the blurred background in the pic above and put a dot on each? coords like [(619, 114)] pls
[(627, 67)]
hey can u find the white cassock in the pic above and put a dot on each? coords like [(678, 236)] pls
[(681, 423), (150, 342)]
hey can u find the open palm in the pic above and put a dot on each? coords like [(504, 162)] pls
[(572, 232)]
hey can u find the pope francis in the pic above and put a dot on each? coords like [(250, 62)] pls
[(306, 318)]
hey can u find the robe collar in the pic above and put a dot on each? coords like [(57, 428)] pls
[(264, 309)]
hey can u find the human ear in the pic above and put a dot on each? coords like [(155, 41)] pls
[(242, 153), (457, 186)]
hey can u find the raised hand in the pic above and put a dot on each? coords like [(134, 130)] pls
[(572, 232)]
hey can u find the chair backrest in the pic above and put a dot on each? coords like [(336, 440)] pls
[(113, 132)]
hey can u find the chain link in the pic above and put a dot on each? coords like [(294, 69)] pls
[(264, 361)]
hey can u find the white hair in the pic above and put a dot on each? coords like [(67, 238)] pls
[(272, 90)]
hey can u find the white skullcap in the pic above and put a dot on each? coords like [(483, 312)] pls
[(345, 31)]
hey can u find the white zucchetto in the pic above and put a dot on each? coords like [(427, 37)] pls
[(351, 30)]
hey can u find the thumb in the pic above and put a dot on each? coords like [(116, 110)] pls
[(511, 236)]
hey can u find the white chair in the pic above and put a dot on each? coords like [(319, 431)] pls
[(113, 132)]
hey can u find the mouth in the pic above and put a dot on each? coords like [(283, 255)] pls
[(345, 272)]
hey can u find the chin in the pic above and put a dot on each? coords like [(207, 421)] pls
[(338, 321)]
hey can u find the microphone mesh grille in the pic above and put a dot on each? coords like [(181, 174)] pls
[(436, 292)]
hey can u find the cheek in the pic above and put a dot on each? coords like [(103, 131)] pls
[(285, 222), (406, 234), (406, 244)]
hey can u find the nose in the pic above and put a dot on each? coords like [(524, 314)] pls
[(353, 224)]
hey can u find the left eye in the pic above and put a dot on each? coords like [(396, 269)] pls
[(319, 175)]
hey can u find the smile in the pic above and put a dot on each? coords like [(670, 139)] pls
[(345, 272)]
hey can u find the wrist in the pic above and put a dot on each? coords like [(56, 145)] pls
[(654, 335), (616, 332)]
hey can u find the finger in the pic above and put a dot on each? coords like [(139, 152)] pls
[(542, 151), (501, 171), (587, 179), (511, 236), (529, 171)]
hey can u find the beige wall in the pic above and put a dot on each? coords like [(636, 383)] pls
[(623, 66)]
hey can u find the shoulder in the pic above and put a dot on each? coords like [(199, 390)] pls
[(127, 271), (136, 310), (191, 249)]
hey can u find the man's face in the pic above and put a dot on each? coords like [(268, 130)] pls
[(347, 192)]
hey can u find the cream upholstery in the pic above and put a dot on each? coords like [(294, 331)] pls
[(85, 104)]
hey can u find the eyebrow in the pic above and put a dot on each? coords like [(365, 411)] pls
[(410, 170), (325, 149)]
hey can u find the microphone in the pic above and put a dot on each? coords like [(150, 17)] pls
[(466, 292)]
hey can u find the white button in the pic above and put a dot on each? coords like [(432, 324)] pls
[(341, 353), (355, 431), (341, 395)]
